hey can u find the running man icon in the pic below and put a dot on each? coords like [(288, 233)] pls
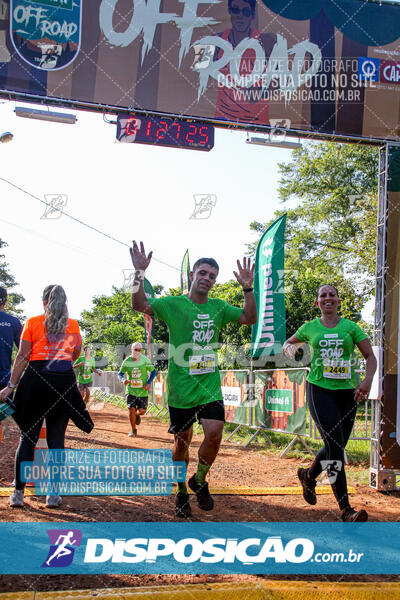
[(62, 542)]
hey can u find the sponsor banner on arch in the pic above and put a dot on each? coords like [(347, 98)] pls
[(324, 67)]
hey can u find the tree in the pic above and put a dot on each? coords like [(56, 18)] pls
[(8, 281), (331, 231), (301, 295), (111, 326), (332, 228)]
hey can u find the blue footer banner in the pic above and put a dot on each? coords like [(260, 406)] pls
[(254, 548)]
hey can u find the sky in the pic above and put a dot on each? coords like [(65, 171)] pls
[(128, 191)]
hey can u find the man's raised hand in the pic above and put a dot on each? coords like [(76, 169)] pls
[(245, 275), (139, 259)]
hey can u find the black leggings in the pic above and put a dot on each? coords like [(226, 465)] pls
[(56, 424), (41, 395), (334, 413)]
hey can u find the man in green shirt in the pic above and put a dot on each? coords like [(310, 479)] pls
[(193, 384), (85, 365), (134, 375)]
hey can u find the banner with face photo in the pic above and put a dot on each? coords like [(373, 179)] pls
[(322, 67)]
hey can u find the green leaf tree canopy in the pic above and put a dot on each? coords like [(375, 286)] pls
[(8, 281), (329, 192)]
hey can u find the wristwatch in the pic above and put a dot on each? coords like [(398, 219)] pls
[(11, 385)]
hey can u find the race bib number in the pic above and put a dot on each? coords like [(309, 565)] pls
[(337, 369), (198, 365), (136, 383)]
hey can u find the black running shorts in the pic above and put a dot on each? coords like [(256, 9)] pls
[(183, 418), (137, 401)]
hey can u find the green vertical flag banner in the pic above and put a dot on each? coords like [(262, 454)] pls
[(148, 321), (269, 333), (185, 270)]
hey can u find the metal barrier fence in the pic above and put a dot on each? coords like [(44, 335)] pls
[(248, 396)]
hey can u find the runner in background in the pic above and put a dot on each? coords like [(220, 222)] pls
[(193, 384), (134, 374), (85, 366), (10, 333), (332, 393)]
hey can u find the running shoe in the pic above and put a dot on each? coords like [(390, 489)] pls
[(204, 498), (308, 486), (16, 498), (133, 433), (349, 515), (182, 505), (138, 419), (53, 501)]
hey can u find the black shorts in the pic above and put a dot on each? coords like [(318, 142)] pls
[(84, 386), (137, 401), (183, 418)]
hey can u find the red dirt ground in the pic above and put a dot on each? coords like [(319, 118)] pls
[(235, 466)]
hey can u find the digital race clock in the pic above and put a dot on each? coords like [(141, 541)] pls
[(160, 131)]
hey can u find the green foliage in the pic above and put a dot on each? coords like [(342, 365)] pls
[(332, 227), (329, 191), (8, 281), (300, 299), (112, 323)]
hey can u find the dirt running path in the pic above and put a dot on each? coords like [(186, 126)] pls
[(235, 466)]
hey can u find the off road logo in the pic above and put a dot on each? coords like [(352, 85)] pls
[(62, 542), (46, 33), (203, 329)]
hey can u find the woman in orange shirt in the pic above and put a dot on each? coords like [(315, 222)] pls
[(47, 388)]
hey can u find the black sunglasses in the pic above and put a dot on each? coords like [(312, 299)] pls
[(246, 12)]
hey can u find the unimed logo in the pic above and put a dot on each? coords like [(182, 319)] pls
[(189, 550)]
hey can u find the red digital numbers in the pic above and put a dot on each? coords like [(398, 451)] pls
[(192, 131), (161, 131), (203, 135), (178, 129), (132, 126), (168, 132)]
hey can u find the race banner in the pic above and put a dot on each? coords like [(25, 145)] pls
[(185, 270), (269, 333), (46, 34), (148, 320), (327, 67), (235, 394), (280, 397)]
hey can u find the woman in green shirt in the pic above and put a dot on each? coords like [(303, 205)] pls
[(332, 392)]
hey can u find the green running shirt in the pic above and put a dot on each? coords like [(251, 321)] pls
[(331, 352), (137, 371), (193, 375), (85, 369)]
